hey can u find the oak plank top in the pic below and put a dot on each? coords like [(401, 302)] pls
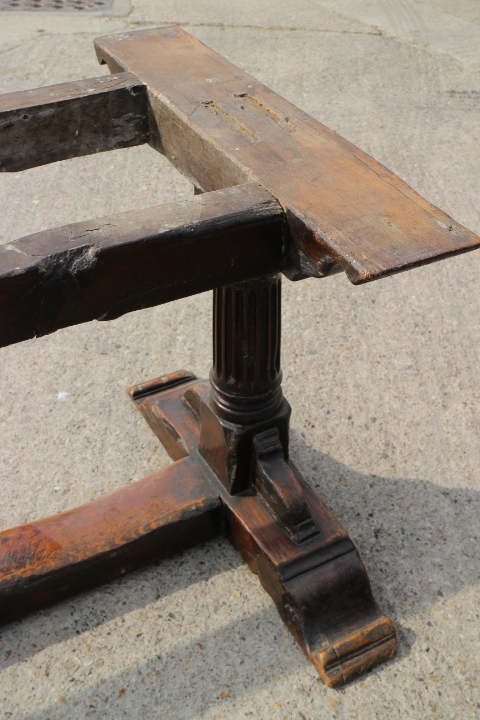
[(221, 127)]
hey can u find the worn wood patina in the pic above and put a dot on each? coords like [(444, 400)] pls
[(220, 127), (78, 272), (72, 119), (277, 192)]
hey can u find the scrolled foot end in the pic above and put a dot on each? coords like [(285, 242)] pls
[(357, 654)]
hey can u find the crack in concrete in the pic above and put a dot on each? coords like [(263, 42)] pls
[(14, 47)]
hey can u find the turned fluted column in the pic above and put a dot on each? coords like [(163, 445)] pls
[(246, 376)]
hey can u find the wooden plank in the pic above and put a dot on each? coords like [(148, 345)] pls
[(53, 558), (220, 127), (105, 268), (72, 119)]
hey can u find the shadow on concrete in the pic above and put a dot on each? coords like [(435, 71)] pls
[(91, 609), (190, 679), (417, 540)]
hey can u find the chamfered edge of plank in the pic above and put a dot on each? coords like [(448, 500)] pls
[(321, 258), (72, 119)]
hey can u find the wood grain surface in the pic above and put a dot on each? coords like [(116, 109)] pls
[(77, 118), (105, 268), (45, 561), (220, 127), (317, 581)]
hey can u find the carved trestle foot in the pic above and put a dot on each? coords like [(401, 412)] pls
[(302, 555), (229, 437)]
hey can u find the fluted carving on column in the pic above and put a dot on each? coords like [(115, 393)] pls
[(246, 372)]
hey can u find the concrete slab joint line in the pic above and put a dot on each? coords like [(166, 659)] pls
[(418, 23), (185, 23)]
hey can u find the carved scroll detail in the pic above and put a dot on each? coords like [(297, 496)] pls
[(280, 489)]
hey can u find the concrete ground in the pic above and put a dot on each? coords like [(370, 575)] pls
[(384, 381)]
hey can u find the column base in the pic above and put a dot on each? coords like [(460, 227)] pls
[(303, 557)]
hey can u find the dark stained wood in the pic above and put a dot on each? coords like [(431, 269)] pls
[(246, 375), (319, 585), (72, 119), (304, 558), (245, 394), (170, 439), (281, 193), (221, 127), (227, 446), (276, 483), (137, 392), (156, 517), (105, 268)]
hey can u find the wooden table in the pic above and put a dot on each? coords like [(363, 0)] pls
[(276, 192)]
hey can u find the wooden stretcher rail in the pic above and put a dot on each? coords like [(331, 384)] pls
[(221, 127), (72, 119), (53, 558), (105, 268)]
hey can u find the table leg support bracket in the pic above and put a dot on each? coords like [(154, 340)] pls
[(303, 557)]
